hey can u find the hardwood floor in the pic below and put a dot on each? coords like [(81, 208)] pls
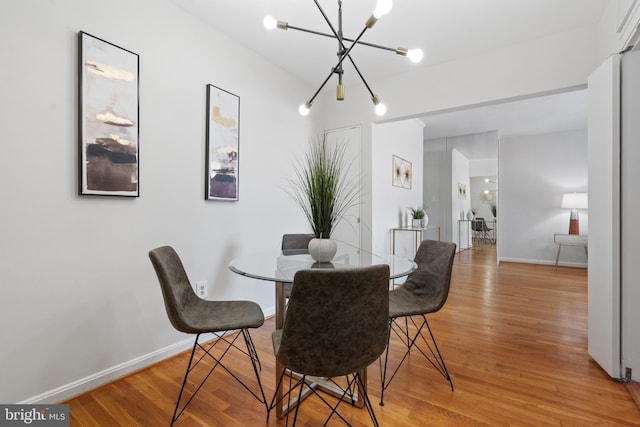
[(514, 338)]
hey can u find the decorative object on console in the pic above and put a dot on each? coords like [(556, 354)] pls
[(323, 191), (108, 118), (222, 146), (419, 218), (344, 51), (574, 201), (401, 172)]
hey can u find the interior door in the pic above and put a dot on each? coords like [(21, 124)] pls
[(630, 206), (348, 230), (604, 215)]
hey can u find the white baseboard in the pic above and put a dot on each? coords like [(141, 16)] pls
[(544, 262), (93, 381), (99, 378)]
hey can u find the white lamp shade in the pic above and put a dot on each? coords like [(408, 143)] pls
[(575, 201)]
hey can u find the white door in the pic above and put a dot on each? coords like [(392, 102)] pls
[(604, 215), (630, 206), (348, 230)]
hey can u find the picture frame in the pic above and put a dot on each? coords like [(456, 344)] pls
[(108, 122), (462, 191), (401, 172), (222, 145)]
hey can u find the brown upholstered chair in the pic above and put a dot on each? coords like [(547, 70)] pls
[(336, 325), (192, 315), (425, 291)]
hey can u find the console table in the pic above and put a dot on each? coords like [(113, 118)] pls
[(563, 239), (418, 237), (419, 234)]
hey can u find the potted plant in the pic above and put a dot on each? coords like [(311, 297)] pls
[(324, 192), (419, 217)]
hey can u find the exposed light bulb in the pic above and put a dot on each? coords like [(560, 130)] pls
[(415, 55), (304, 110), (270, 22), (382, 8), (381, 109)]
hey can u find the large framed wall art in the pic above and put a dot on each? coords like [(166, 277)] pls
[(108, 118), (223, 129)]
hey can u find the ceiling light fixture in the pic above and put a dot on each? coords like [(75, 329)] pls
[(344, 52)]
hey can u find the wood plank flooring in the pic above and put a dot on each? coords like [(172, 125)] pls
[(514, 338)]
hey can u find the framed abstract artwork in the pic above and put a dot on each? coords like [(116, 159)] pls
[(108, 119), (223, 137), (401, 172)]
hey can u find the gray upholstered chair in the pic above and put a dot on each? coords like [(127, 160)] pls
[(481, 230), (487, 232), (425, 291), (336, 325), (192, 315), (294, 244)]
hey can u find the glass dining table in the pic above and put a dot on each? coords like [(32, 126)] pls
[(280, 267)]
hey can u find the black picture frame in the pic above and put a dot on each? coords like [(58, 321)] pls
[(222, 145), (108, 118)]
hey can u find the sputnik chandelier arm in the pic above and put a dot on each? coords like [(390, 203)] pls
[(382, 7)]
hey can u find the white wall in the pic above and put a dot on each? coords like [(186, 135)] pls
[(80, 299), (391, 203), (484, 167), (534, 173)]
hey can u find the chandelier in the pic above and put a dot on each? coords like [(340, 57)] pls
[(344, 52)]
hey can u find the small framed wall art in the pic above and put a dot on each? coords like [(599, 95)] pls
[(108, 118), (401, 172), (223, 138), (462, 191)]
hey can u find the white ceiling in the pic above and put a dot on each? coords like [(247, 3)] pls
[(444, 29)]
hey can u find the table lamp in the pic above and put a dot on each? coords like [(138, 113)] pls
[(574, 201)]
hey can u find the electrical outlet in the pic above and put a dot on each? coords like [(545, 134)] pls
[(202, 289)]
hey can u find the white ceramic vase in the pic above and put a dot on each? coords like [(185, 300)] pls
[(322, 250), (420, 223)]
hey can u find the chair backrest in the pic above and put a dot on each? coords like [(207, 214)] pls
[(483, 225), (176, 289), (476, 224), (296, 242), (337, 320), (432, 279)]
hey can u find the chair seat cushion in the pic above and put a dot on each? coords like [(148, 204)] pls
[(403, 302), (216, 316)]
